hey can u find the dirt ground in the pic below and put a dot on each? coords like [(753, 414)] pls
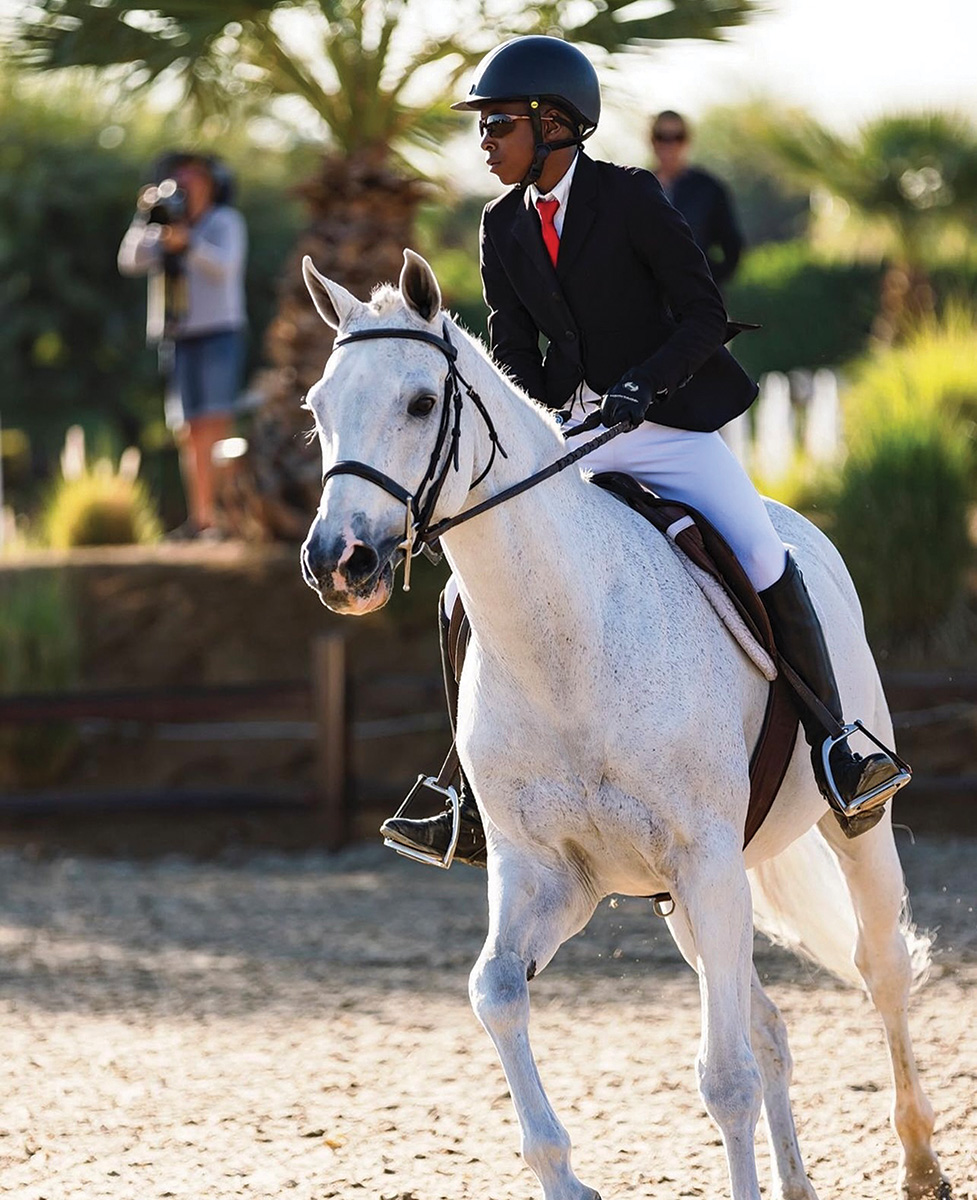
[(298, 1026)]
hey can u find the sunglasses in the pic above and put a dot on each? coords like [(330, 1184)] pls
[(668, 138), (498, 125)]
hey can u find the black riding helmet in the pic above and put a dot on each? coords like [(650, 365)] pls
[(540, 69)]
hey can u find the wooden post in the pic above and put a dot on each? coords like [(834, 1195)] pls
[(329, 688)]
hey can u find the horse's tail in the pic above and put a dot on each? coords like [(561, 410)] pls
[(801, 901)]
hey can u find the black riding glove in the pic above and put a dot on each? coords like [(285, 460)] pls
[(629, 399)]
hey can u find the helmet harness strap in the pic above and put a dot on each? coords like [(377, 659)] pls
[(543, 149)]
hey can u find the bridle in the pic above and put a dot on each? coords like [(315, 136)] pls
[(419, 534)]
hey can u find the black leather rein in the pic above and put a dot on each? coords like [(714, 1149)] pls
[(420, 534)]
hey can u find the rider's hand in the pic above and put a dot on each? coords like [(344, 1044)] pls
[(629, 400)]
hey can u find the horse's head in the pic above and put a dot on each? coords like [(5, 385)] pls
[(389, 430)]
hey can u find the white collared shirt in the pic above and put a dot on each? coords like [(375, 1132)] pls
[(560, 192)]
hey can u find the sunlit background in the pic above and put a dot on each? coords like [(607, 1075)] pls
[(213, 977)]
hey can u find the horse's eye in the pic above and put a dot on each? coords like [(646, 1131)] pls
[(420, 406)]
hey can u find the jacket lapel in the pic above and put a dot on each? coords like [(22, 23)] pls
[(581, 213), (526, 230)]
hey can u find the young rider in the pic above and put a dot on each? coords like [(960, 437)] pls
[(592, 257)]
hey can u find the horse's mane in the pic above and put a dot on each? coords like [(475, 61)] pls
[(386, 301)]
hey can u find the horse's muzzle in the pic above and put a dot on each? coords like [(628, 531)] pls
[(350, 574)]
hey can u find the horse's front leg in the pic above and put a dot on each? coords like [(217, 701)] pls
[(714, 905), (532, 911)]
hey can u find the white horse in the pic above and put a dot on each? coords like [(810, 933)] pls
[(606, 720)]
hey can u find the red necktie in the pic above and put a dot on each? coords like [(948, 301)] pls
[(547, 211)]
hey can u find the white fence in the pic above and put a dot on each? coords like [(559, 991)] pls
[(796, 415)]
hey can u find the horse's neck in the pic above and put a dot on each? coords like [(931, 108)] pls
[(526, 562)]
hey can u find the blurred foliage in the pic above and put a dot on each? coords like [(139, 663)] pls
[(814, 312), (355, 63), (930, 379), (100, 508), (38, 638), (900, 509), (913, 173), (72, 332), (900, 519), (732, 141), (39, 652), (447, 236)]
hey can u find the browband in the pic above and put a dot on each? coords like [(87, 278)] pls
[(417, 335)]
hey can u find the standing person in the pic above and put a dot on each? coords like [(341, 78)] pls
[(591, 258), (700, 197), (192, 244)]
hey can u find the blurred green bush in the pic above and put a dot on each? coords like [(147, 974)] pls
[(100, 508), (900, 508), (931, 378), (900, 520), (814, 312), (39, 652)]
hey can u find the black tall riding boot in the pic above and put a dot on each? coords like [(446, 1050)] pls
[(431, 836), (861, 782)]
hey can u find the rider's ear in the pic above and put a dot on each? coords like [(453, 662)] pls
[(419, 287), (336, 306)]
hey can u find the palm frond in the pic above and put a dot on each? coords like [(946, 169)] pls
[(615, 24)]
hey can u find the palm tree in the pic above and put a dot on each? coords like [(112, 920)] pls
[(914, 175), (360, 66)]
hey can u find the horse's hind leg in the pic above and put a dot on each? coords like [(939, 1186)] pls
[(776, 1067), (874, 876), (528, 921)]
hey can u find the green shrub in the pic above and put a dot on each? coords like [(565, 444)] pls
[(900, 519), (39, 652), (931, 377), (814, 312), (100, 508)]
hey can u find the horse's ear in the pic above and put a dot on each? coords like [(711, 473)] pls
[(419, 287), (335, 305)]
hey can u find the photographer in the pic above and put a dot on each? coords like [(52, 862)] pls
[(192, 245)]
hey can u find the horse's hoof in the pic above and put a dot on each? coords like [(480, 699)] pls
[(943, 1191)]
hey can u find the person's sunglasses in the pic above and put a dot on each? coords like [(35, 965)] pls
[(498, 125), (668, 138)]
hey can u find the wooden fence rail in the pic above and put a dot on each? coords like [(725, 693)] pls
[(325, 692), (215, 714)]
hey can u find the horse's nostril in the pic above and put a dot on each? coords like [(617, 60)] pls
[(360, 563)]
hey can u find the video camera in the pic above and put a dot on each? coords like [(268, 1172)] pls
[(164, 203)]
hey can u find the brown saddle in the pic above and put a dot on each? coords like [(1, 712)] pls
[(709, 551)]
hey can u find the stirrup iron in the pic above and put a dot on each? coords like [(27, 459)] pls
[(877, 796), (432, 859)]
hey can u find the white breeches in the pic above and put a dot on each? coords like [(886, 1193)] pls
[(700, 470)]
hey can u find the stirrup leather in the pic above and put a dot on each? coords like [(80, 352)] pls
[(432, 858), (875, 796)]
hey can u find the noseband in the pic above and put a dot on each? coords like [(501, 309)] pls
[(419, 534)]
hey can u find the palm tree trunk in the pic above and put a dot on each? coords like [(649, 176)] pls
[(362, 216), (906, 299)]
